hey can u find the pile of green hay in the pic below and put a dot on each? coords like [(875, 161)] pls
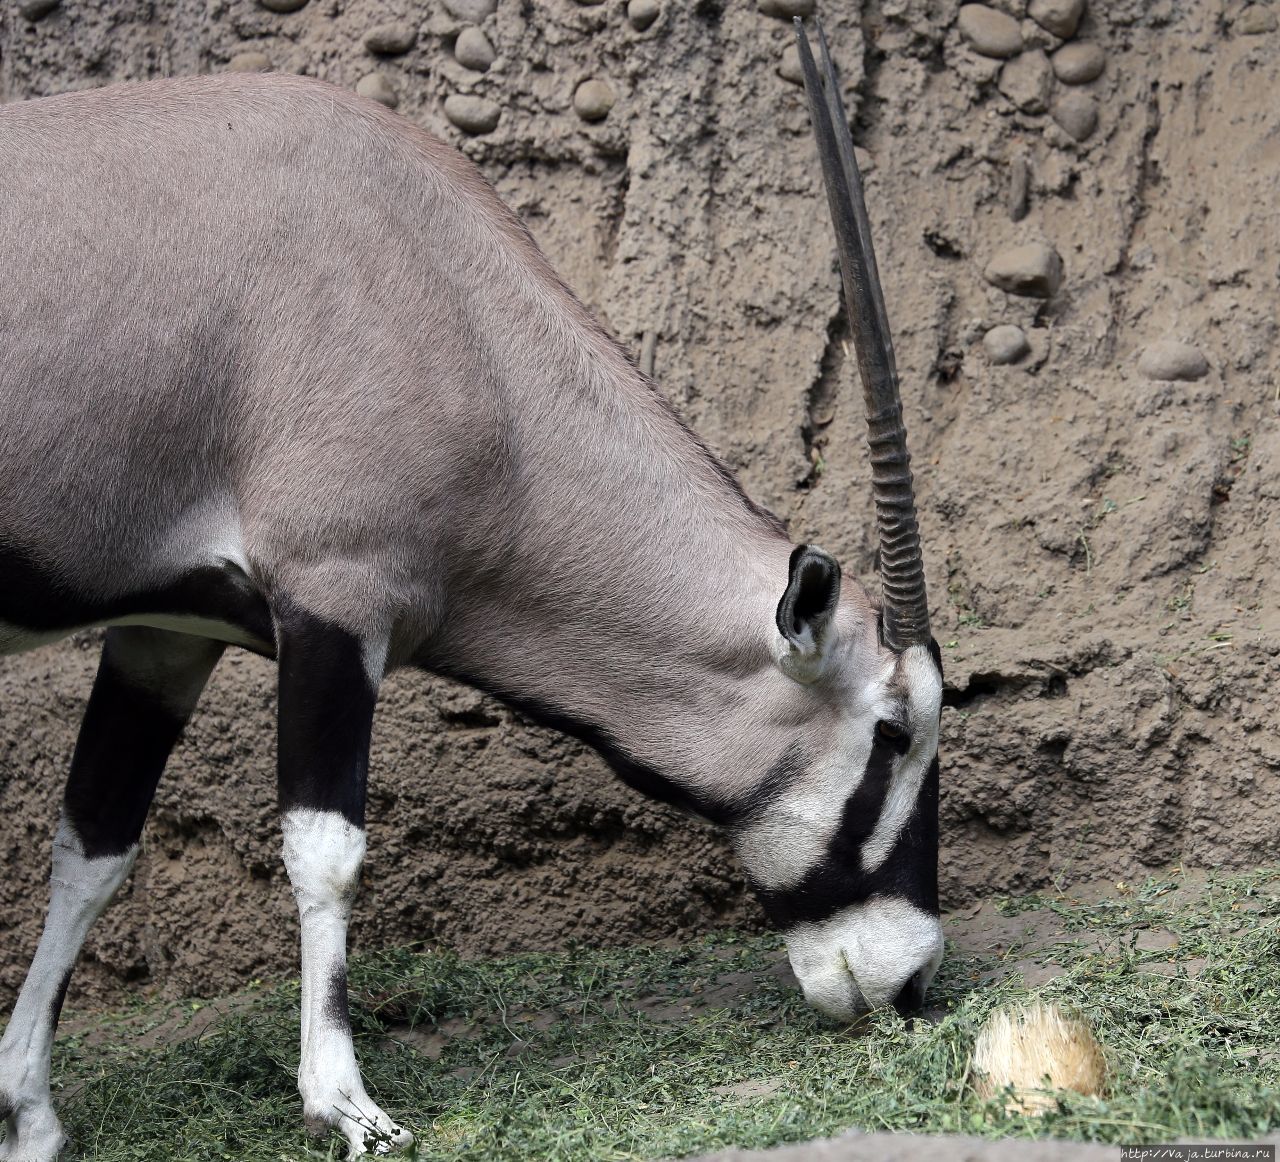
[(650, 1053)]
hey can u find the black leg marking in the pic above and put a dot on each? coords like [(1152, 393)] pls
[(327, 699), (326, 715), (337, 1005), (147, 686), (59, 998)]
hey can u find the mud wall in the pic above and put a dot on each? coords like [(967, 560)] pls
[(1099, 512)]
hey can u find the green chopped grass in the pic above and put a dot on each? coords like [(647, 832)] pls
[(646, 1053)]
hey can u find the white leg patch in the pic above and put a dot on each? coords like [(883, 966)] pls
[(80, 889), (323, 852), (909, 772)]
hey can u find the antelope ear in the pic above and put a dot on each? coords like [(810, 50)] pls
[(807, 611)]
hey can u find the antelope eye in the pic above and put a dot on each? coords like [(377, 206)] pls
[(890, 730)]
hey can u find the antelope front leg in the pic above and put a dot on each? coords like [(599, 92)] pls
[(80, 888), (147, 686), (327, 696)]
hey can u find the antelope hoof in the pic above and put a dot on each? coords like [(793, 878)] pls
[(32, 1133), (369, 1132)]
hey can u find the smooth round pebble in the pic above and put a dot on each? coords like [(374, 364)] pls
[(1255, 20), (472, 50), (1078, 63), (789, 67), (1169, 359), (391, 39), (1027, 81), (282, 5), (642, 13), (37, 9), (1033, 270), (592, 100), (989, 32), (786, 9), (471, 10), (590, 3), (1005, 344), (1076, 113), (377, 87), (472, 115), (1061, 17), (249, 62)]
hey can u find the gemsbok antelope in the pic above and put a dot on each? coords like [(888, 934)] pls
[(279, 370)]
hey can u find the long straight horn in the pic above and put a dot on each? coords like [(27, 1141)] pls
[(906, 607)]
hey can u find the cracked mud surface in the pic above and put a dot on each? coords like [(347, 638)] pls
[(1100, 545)]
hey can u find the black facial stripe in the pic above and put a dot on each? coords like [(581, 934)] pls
[(936, 655), (325, 717), (781, 775), (910, 872), (35, 598), (639, 776)]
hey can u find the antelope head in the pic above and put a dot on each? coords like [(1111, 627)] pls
[(845, 859)]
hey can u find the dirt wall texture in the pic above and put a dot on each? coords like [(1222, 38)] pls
[(1079, 232)]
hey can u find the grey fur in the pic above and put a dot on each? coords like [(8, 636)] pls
[(263, 330), (261, 321)]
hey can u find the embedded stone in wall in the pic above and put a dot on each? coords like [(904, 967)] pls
[(474, 115), (249, 62), (642, 13), (1169, 359), (391, 39), (1019, 187), (1033, 270), (378, 87), (1005, 344), (1061, 17), (789, 67), (37, 9), (473, 51), (1027, 81), (593, 99), (786, 9), (1079, 63), (472, 10), (1077, 114), (282, 5), (989, 32), (1255, 20)]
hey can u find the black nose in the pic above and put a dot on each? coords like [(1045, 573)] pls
[(910, 998)]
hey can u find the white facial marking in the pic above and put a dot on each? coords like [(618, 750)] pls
[(904, 789), (781, 847), (861, 957), (79, 890), (790, 839), (323, 852)]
